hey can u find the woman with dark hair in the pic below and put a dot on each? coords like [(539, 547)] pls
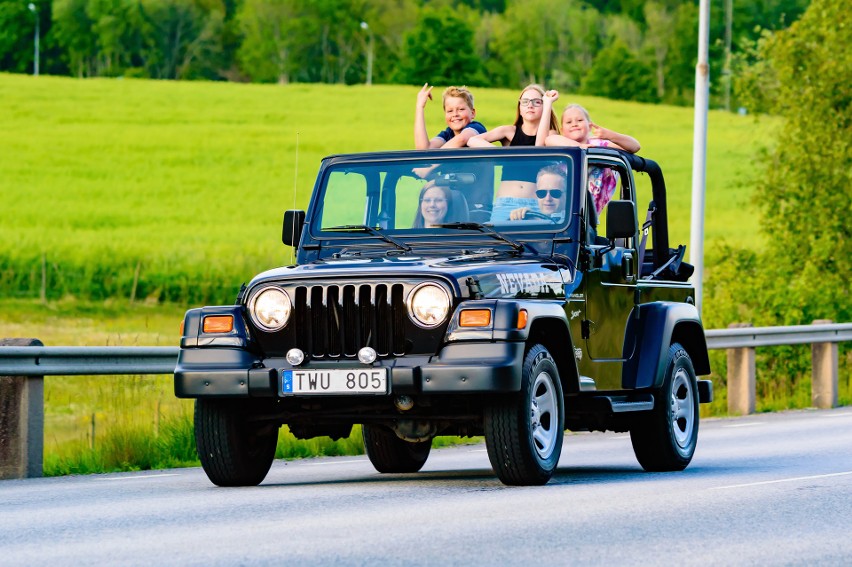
[(434, 207)]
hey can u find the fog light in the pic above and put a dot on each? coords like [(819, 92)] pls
[(403, 403), (295, 357), (366, 355)]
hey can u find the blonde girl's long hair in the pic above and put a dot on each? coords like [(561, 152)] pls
[(519, 120)]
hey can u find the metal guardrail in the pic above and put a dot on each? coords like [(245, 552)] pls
[(751, 337), (75, 361), (22, 369)]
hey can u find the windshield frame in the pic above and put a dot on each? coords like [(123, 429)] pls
[(376, 194)]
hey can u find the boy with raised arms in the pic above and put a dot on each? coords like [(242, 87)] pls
[(459, 114)]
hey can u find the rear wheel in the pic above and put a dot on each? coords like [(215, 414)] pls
[(233, 450), (524, 431), (665, 438), (390, 454)]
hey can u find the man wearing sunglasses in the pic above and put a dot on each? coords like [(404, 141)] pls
[(551, 193)]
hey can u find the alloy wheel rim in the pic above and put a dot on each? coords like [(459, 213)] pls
[(682, 408), (543, 415)]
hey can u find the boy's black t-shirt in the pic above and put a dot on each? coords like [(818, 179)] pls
[(448, 134)]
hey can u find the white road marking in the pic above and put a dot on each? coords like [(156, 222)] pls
[(478, 451), (749, 424), (798, 478), (138, 477)]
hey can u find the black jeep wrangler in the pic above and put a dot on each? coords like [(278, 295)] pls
[(506, 292)]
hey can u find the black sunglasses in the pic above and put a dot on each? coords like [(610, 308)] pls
[(555, 193)]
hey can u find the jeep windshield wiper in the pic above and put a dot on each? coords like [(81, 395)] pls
[(374, 231), (486, 229)]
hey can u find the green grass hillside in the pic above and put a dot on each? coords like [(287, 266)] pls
[(174, 191)]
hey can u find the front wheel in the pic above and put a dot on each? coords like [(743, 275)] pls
[(390, 454), (524, 431), (233, 450), (665, 438)]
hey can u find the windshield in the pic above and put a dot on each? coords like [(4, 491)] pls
[(410, 197)]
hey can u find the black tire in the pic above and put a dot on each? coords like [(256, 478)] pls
[(390, 454), (233, 451), (524, 431), (665, 438)]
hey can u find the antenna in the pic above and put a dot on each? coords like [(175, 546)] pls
[(295, 185)]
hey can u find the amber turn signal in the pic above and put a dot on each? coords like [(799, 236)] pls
[(522, 318), (218, 324), (475, 318)]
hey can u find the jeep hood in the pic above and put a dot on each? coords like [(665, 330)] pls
[(486, 274)]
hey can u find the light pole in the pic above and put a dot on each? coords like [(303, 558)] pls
[(699, 151), (34, 9), (366, 27)]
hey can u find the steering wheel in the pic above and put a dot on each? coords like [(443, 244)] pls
[(537, 215)]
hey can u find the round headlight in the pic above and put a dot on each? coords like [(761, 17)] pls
[(429, 305), (270, 309)]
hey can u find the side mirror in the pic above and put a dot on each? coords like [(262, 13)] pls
[(621, 220), (292, 230)]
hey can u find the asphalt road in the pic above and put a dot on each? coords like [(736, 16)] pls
[(770, 489)]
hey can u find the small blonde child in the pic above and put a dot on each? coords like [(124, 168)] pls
[(579, 130), (459, 114)]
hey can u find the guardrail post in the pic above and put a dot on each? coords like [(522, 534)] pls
[(824, 377), (741, 378), (21, 421)]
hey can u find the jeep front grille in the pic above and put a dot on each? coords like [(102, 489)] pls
[(335, 321)]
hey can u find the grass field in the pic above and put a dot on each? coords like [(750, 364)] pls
[(125, 202), (174, 191)]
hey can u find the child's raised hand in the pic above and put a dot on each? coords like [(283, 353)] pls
[(597, 131), (424, 95), (552, 96)]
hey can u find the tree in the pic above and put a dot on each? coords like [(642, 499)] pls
[(440, 50), (682, 55), (805, 181), (269, 28), (182, 38), (552, 42), (17, 26), (73, 32), (617, 73), (659, 36)]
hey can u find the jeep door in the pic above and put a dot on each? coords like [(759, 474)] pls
[(610, 281)]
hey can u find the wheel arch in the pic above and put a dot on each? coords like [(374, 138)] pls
[(555, 335), (658, 326), (690, 335)]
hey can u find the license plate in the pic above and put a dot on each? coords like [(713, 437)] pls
[(337, 381)]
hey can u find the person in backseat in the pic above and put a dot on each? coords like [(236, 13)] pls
[(579, 130), (459, 114), (518, 178)]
